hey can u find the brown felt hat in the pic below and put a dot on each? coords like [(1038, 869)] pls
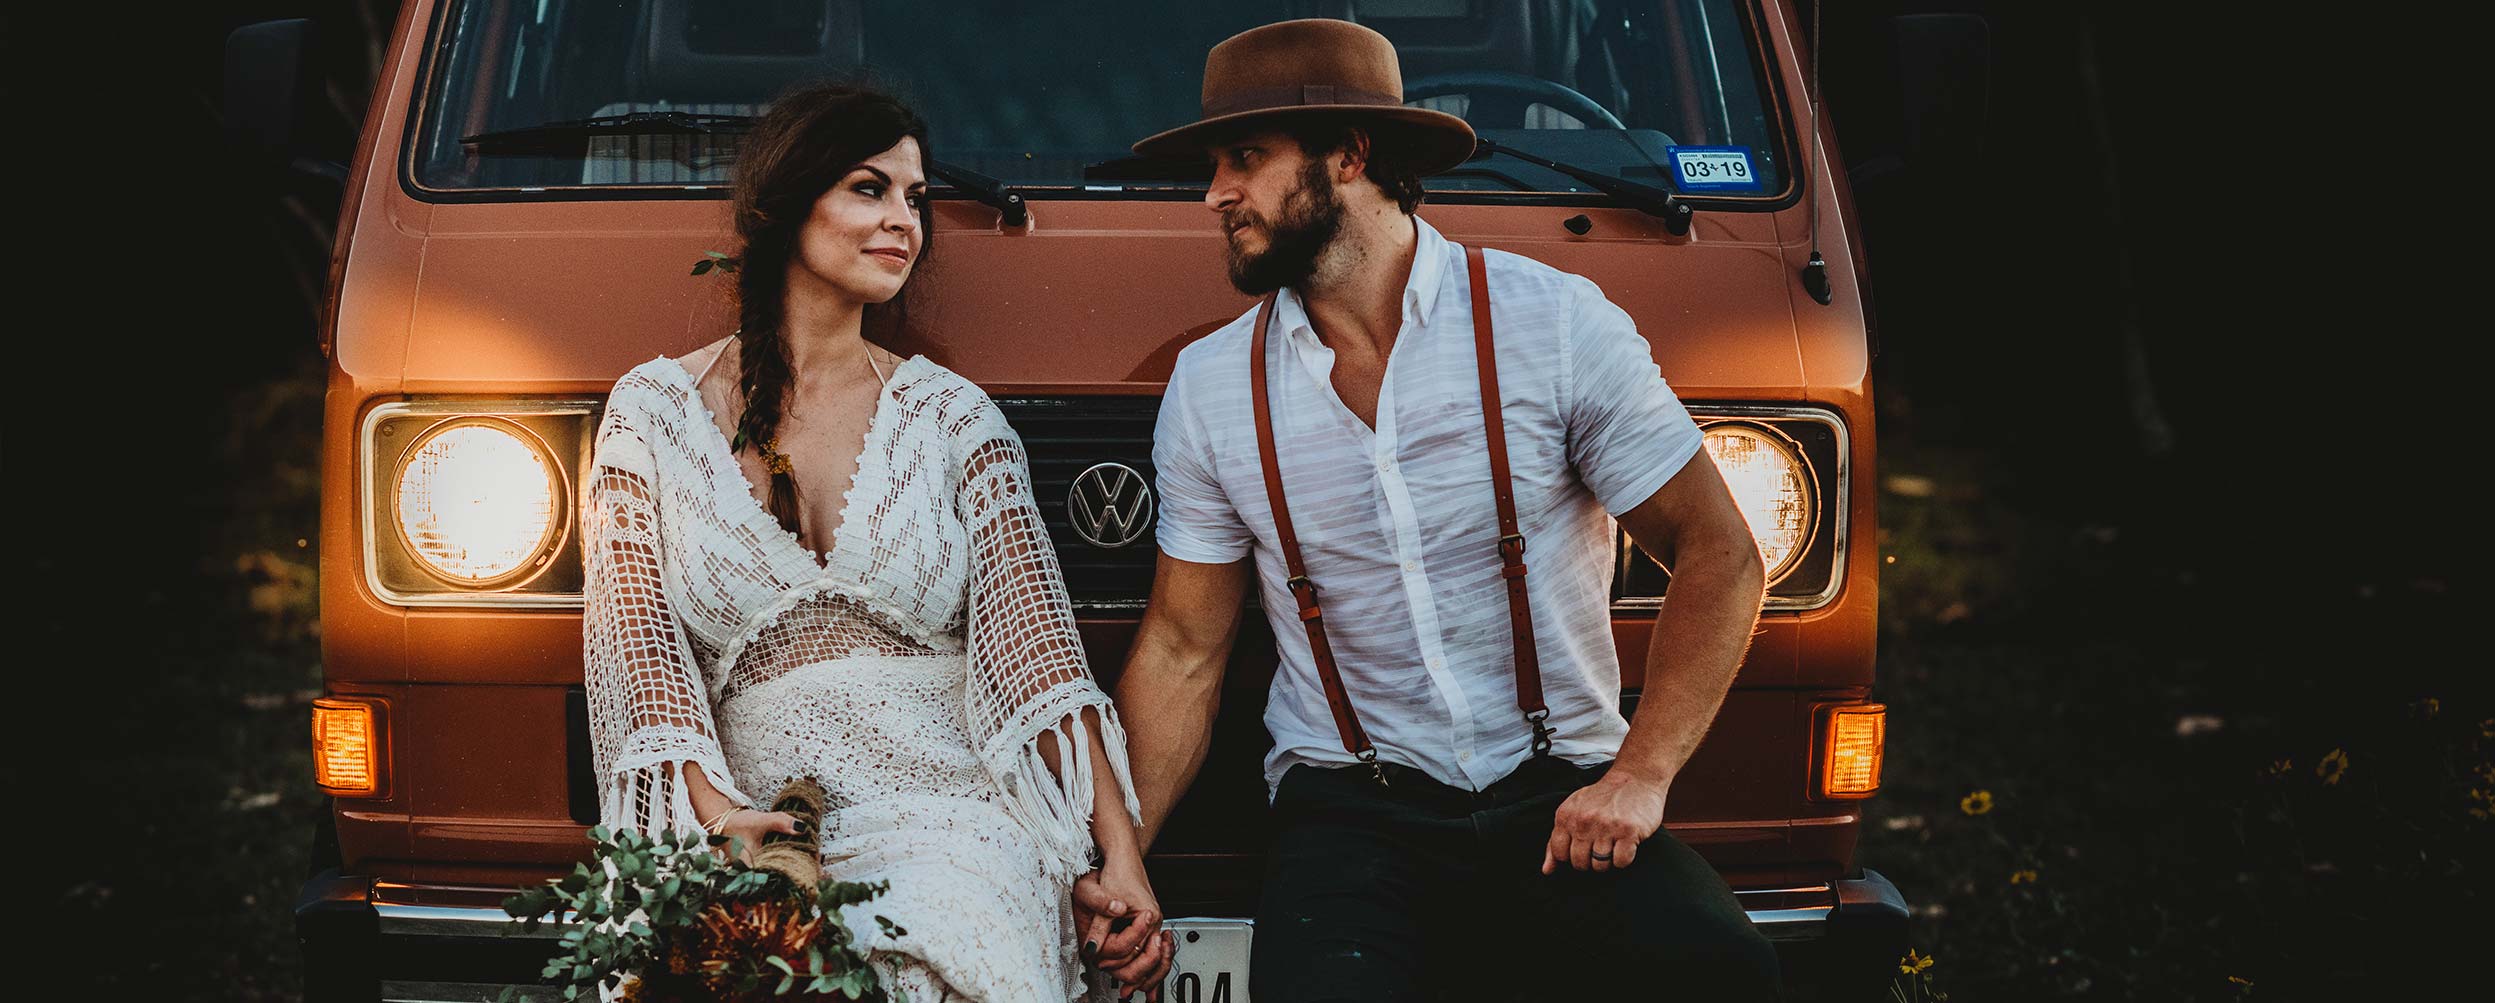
[(1317, 67)]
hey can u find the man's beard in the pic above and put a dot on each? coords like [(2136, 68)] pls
[(1311, 217)]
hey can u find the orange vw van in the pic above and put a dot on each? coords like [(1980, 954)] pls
[(536, 179)]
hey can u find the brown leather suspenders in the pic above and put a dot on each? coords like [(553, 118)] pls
[(1511, 540)]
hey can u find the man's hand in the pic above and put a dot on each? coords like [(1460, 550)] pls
[(1121, 927), (1598, 828)]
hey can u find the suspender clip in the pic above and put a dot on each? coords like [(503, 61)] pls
[(1540, 720), (1369, 757)]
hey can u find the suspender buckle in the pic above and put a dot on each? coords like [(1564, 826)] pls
[(1512, 546), (1539, 720), (1305, 592), (1368, 757)]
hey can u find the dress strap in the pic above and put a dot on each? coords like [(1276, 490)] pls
[(714, 361)]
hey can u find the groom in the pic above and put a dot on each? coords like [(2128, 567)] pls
[(1461, 810)]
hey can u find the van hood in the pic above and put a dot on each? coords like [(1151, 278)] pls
[(1093, 297)]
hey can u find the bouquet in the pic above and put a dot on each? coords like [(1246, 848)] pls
[(664, 920)]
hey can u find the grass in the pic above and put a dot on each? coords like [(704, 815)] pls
[(201, 775), (2113, 775)]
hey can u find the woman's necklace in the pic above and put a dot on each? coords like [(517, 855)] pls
[(777, 462)]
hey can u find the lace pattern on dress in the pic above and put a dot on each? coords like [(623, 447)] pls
[(646, 717), (713, 636)]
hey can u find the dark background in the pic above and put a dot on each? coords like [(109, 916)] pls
[(2175, 428)]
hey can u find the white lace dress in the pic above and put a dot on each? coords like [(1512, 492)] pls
[(911, 670)]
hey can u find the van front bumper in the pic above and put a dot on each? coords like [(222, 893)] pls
[(366, 940)]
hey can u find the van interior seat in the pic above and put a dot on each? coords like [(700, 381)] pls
[(663, 160)]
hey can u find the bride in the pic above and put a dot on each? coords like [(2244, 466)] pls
[(767, 599)]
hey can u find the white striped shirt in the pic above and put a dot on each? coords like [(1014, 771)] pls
[(1398, 525)]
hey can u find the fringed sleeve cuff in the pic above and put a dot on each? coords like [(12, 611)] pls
[(647, 790), (1056, 804)]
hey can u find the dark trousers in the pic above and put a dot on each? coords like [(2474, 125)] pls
[(1420, 891)]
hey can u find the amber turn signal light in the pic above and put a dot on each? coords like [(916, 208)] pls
[(349, 759), (1851, 738)]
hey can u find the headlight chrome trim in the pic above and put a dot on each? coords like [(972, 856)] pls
[(1836, 501), (373, 510)]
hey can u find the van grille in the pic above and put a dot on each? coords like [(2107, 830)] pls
[(1066, 436)]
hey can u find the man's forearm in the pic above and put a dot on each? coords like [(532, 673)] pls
[(1168, 697), (1700, 637)]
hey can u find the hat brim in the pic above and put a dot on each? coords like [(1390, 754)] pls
[(1433, 140)]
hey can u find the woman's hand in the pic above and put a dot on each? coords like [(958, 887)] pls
[(1121, 925), (746, 827)]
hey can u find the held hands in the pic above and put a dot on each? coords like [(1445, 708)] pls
[(1121, 926), (1598, 828)]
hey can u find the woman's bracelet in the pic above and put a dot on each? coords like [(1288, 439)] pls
[(712, 826)]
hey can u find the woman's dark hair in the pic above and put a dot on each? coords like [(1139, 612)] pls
[(812, 137)]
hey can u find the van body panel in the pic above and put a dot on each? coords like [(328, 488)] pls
[(555, 294)]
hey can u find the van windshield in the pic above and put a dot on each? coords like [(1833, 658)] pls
[(1048, 97)]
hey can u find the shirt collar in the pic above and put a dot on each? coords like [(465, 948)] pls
[(1420, 289)]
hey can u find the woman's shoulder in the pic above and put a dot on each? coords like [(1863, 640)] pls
[(657, 394), (950, 404)]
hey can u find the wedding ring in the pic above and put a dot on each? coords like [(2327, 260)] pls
[(1598, 855)]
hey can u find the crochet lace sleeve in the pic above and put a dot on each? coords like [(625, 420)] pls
[(1028, 674), (649, 713)]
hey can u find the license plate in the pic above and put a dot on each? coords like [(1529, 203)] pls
[(1212, 962)]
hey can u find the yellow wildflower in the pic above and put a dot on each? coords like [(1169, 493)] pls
[(1976, 803), (2332, 766), (1913, 963), (2024, 876), (2281, 767), (2429, 707)]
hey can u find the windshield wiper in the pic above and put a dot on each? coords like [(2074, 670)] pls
[(1195, 170), (1657, 202), (571, 138), (985, 190)]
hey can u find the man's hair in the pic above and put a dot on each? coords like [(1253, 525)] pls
[(1388, 167)]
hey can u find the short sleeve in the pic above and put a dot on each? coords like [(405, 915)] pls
[(1627, 431), (1197, 521)]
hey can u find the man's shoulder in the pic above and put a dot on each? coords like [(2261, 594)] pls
[(1512, 274), (1215, 359)]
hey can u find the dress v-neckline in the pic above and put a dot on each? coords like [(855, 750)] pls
[(822, 562)]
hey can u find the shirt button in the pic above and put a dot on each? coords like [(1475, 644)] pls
[(1464, 757), (1412, 565), (1433, 663)]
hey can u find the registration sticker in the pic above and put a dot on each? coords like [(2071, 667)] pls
[(1713, 168), (1212, 962)]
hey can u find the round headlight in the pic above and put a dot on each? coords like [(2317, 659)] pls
[(1771, 482), (480, 502)]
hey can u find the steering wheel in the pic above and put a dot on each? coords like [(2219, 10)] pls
[(1519, 90)]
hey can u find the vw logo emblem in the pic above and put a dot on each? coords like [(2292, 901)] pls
[(1110, 506)]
